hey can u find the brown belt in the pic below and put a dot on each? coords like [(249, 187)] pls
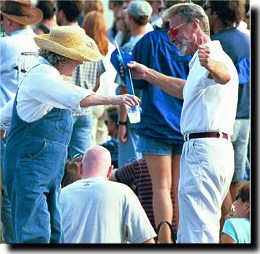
[(189, 136)]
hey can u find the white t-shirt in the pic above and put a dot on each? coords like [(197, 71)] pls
[(96, 210), (209, 106)]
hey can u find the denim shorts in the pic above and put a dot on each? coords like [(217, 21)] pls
[(147, 145)]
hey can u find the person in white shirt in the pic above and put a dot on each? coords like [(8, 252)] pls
[(40, 131), (208, 114), (96, 210)]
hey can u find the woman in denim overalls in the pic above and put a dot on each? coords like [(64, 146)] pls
[(40, 131)]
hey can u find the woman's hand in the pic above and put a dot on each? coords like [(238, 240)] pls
[(128, 100)]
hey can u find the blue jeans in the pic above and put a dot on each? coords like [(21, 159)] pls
[(81, 138), (33, 167), (5, 208)]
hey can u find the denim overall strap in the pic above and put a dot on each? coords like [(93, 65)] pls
[(33, 168)]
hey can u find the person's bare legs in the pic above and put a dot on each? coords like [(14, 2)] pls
[(161, 174), (175, 185)]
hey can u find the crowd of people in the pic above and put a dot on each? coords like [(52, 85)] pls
[(73, 167)]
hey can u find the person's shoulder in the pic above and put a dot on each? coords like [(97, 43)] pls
[(122, 189), (229, 34), (8, 41), (44, 66), (68, 191), (236, 222), (127, 47)]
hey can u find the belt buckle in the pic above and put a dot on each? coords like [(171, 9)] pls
[(187, 137), (220, 134)]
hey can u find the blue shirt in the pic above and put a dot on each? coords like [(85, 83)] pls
[(238, 229), (160, 117), (237, 45)]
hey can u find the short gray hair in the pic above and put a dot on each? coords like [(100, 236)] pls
[(53, 58), (188, 12)]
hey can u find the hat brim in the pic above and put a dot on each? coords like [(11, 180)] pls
[(34, 17), (82, 53)]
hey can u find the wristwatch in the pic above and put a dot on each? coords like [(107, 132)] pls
[(121, 123)]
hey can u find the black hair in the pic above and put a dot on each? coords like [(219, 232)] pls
[(71, 9)]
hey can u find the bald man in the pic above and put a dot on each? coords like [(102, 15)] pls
[(96, 210)]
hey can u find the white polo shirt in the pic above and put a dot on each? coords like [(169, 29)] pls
[(209, 106)]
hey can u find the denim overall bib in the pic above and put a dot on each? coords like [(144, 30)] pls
[(33, 168)]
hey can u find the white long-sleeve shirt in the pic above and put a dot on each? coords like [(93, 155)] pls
[(42, 89)]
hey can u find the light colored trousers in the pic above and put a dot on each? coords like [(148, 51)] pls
[(207, 166)]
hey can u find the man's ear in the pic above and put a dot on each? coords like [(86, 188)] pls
[(110, 171), (195, 24), (60, 14), (247, 206)]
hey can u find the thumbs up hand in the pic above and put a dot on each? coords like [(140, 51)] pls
[(203, 53)]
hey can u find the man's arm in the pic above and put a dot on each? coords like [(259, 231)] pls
[(218, 70), (227, 239), (170, 85)]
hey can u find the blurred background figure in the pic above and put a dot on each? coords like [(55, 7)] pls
[(123, 32), (88, 6), (156, 6), (94, 24), (115, 7), (112, 126), (71, 171), (49, 19)]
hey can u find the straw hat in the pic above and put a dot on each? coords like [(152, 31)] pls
[(21, 11), (68, 41)]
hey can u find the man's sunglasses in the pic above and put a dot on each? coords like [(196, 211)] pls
[(174, 31)]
